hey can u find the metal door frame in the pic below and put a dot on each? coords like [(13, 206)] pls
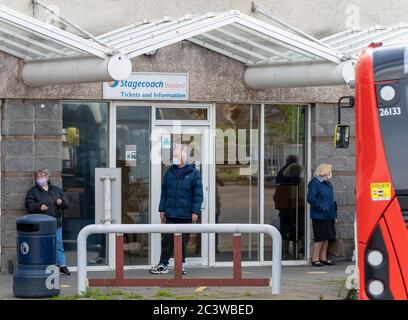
[(203, 127)]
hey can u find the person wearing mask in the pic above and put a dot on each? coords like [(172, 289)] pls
[(323, 212), (47, 198), (180, 202)]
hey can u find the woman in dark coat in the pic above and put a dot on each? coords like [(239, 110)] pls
[(323, 211), (47, 198)]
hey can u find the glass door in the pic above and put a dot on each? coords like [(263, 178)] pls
[(84, 148), (166, 138), (132, 156), (237, 187), (285, 178)]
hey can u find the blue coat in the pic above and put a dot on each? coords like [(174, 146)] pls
[(320, 196), (181, 198)]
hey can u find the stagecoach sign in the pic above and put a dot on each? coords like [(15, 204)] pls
[(148, 86)]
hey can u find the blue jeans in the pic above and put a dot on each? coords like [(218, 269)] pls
[(60, 261)]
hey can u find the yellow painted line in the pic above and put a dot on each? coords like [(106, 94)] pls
[(65, 286), (317, 272), (200, 289)]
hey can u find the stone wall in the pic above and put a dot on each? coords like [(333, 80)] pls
[(31, 139), (319, 18), (323, 122), (213, 78)]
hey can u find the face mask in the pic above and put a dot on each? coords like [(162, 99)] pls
[(42, 181), (329, 176), (176, 161)]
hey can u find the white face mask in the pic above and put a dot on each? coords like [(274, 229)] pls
[(176, 161), (42, 182), (330, 175)]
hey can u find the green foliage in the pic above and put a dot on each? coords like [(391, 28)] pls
[(96, 294), (164, 294), (247, 293), (286, 130), (352, 294)]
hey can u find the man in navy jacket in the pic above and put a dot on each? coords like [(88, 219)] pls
[(180, 202)]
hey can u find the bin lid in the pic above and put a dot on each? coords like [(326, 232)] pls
[(36, 224)]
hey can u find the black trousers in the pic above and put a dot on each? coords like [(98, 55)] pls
[(168, 241)]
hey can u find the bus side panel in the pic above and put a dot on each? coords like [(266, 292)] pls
[(396, 283), (371, 163), (399, 236)]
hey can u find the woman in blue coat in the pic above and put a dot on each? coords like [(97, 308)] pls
[(323, 211)]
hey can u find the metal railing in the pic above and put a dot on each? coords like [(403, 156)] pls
[(181, 228)]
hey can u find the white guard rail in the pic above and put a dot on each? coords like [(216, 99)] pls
[(181, 228)]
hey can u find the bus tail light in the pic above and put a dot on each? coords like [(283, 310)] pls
[(376, 268)]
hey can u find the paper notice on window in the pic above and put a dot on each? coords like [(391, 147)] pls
[(130, 155), (166, 141)]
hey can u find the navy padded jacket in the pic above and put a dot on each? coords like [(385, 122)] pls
[(180, 198)]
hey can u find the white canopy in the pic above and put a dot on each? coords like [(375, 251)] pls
[(274, 57), (31, 39), (352, 41), (231, 33)]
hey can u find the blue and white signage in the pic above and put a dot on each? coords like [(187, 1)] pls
[(148, 86)]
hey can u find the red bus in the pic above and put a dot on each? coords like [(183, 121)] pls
[(382, 172)]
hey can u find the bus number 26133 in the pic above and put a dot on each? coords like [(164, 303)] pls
[(391, 111)]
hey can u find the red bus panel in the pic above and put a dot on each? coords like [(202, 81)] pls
[(382, 172)]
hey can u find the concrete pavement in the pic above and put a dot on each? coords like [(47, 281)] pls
[(298, 283)]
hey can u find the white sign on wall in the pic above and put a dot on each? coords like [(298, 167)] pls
[(148, 86)]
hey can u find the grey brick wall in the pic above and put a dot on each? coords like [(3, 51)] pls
[(31, 138), (323, 122)]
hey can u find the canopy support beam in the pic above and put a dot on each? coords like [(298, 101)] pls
[(76, 70), (308, 74)]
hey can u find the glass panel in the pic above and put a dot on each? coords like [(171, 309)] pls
[(194, 155), (285, 171), (237, 164), (40, 44), (181, 114), (272, 43), (133, 156), (84, 148)]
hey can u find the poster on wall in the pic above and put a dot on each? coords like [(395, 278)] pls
[(149, 86), (130, 155)]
